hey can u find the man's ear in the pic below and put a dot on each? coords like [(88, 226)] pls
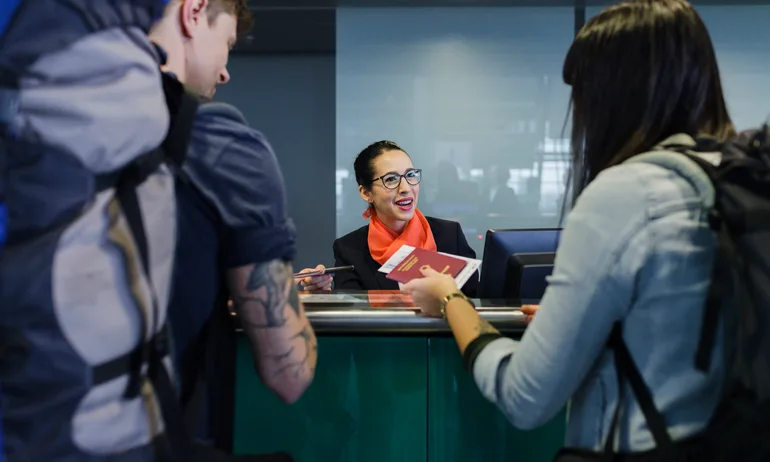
[(192, 13)]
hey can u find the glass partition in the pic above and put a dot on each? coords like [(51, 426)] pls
[(740, 36), (474, 95)]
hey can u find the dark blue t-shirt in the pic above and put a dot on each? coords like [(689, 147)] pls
[(231, 212)]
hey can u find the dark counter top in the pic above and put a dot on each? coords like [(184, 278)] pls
[(392, 314), (402, 323)]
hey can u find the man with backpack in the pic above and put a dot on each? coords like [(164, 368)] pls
[(235, 238), (85, 270)]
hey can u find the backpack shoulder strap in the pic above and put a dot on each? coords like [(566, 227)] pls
[(183, 107), (626, 368), (178, 139)]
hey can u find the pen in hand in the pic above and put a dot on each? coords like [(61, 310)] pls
[(325, 271)]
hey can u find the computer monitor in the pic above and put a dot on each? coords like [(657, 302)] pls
[(500, 245), (526, 274)]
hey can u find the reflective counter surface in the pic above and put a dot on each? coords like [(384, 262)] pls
[(393, 313)]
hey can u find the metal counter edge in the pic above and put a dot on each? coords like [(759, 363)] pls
[(384, 322)]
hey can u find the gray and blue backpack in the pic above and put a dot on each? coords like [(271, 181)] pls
[(89, 132)]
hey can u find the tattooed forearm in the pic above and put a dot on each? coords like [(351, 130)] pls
[(294, 299), (485, 327), (305, 340), (268, 307), (262, 302), (282, 356)]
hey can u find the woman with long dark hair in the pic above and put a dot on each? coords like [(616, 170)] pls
[(636, 248)]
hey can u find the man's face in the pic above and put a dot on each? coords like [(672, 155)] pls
[(207, 51)]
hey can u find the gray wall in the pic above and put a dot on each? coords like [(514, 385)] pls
[(475, 95), (291, 99)]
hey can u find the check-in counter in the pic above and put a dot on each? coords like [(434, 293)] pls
[(389, 386)]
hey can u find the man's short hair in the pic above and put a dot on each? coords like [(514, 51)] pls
[(237, 8)]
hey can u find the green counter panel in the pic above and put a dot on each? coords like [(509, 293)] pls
[(463, 426), (368, 402), (381, 400)]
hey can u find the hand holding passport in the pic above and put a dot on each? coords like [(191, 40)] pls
[(410, 267), (405, 265)]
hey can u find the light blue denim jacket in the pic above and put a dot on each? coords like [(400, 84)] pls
[(637, 248)]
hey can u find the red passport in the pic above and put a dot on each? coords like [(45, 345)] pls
[(409, 268)]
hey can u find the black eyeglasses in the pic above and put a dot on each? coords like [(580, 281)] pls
[(392, 180)]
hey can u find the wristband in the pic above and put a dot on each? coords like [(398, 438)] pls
[(475, 348), (449, 297)]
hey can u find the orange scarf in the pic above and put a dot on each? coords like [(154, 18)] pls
[(384, 242)]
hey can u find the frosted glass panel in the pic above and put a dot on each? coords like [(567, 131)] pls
[(475, 95), (741, 37)]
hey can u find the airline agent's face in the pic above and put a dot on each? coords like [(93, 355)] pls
[(393, 197)]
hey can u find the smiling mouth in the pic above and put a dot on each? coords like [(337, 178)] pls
[(405, 204)]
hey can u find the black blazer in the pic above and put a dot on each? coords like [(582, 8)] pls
[(353, 249)]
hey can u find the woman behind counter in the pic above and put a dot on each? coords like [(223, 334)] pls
[(390, 185)]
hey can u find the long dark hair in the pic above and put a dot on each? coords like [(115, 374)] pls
[(640, 71)]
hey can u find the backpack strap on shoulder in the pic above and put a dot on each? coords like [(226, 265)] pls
[(178, 138), (626, 369), (183, 107)]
